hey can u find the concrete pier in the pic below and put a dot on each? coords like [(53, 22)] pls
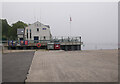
[(74, 66)]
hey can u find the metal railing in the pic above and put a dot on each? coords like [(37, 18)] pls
[(55, 39)]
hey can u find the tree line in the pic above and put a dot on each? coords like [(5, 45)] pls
[(9, 32)]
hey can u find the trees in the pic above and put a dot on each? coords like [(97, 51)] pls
[(16, 25), (10, 32), (5, 28)]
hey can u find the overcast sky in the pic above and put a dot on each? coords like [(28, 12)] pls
[(95, 22)]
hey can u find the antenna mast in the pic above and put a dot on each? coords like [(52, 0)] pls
[(34, 14), (70, 24)]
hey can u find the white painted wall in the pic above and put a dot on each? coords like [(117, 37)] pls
[(41, 33), (20, 36)]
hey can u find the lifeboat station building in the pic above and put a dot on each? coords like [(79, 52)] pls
[(35, 31), (38, 36)]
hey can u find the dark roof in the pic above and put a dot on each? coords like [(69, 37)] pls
[(47, 26), (20, 31)]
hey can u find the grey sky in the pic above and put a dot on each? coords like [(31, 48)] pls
[(95, 22)]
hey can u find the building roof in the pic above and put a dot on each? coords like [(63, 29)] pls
[(47, 26), (39, 24), (20, 31)]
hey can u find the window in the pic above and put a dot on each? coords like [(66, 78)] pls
[(30, 33), (27, 30), (37, 25), (27, 33), (37, 29), (44, 29), (36, 37), (44, 37), (21, 38), (30, 30)]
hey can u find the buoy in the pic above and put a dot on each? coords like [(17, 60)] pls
[(38, 45)]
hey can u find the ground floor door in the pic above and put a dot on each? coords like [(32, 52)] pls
[(21, 38), (36, 37)]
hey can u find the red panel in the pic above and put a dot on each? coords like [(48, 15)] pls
[(26, 42), (57, 46), (22, 42)]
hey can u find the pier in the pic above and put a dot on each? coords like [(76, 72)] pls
[(66, 43)]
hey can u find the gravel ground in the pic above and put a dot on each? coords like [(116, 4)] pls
[(74, 66), (16, 65)]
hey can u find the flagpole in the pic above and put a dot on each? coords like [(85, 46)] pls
[(70, 28), (70, 25)]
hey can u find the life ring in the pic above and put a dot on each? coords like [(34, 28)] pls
[(38, 45)]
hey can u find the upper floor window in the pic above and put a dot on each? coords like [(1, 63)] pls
[(27, 33), (37, 29), (30, 30), (37, 25), (44, 37), (30, 35), (43, 28), (27, 30)]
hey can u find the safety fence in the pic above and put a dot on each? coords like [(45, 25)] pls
[(54, 43), (43, 42)]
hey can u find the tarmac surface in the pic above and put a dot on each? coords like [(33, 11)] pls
[(74, 66), (15, 66)]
